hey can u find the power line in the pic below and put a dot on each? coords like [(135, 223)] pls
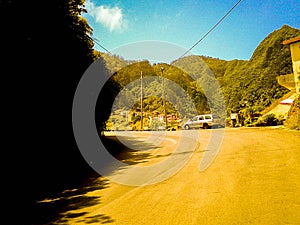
[(96, 41), (207, 33)]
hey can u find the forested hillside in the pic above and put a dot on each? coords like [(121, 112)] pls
[(183, 95), (214, 85), (112, 62), (252, 84)]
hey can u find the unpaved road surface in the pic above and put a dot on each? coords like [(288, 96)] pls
[(254, 179)]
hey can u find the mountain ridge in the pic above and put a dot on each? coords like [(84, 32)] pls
[(246, 84), (254, 81)]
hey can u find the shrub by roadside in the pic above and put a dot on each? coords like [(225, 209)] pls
[(269, 120)]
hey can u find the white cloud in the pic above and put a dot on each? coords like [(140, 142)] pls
[(111, 18)]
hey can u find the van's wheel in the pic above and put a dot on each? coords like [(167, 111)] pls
[(187, 127), (205, 126)]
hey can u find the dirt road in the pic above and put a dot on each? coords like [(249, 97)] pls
[(255, 179)]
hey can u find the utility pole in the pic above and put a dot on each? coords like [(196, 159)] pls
[(141, 100), (163, 96)]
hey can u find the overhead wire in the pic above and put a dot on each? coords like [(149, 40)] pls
[(211, 29), (101, 46)]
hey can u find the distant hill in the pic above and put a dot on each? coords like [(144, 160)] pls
[(251, 84), (122, 92), (113, 62), (248, 85)]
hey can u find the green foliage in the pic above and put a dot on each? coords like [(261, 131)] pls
[(154, 103), (203, 80), (270, 119), (170, 85), (252, 81), (245, 86), (113, 62)]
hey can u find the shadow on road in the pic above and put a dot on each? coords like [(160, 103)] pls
[(57, 208), (126, 154)]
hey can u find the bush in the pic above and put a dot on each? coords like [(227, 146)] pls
[(260, 122), (270, 120)]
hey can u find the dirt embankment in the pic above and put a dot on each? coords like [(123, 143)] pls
[(293, 118)]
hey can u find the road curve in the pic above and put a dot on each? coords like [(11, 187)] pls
[(254, 179)]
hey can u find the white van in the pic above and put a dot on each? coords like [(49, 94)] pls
[(205, 121)]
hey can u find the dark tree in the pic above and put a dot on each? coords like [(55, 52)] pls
[(47, 50)]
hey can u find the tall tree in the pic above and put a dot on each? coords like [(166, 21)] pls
[(49, 49)]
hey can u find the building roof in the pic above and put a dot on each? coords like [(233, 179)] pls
[(292, 40)]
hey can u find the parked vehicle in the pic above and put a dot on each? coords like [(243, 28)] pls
[(205, 121)]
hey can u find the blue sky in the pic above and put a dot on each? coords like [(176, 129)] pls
[(118, 23)]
